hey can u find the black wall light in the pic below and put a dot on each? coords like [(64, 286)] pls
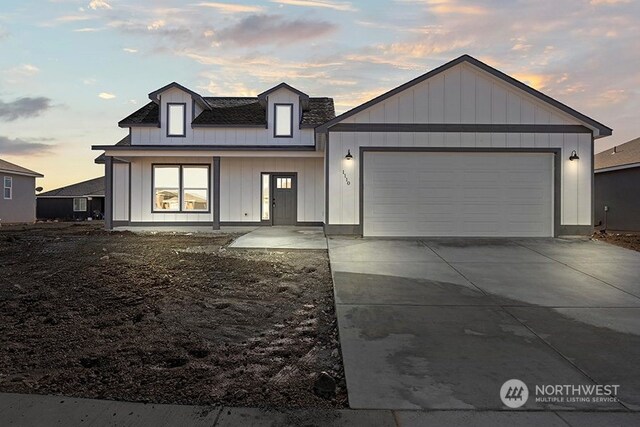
[(348, 156), (574, 156)]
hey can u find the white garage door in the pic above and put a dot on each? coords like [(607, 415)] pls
[(458, 194)]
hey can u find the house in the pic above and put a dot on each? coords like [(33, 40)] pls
[(463, 150), (18, 201), (617, 187), (76, 201)]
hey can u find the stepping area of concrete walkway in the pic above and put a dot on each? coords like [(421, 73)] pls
[(443, 323), (282, 238)]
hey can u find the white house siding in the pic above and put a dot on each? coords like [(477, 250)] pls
[(240, 188), (222, 135), (576, 175), (141, 191), (120, 191), (465, 94)]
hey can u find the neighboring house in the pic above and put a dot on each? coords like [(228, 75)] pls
[(617, 187), (18, 199), (463, 150), (77, 201)]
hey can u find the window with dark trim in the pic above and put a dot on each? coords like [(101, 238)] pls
[(181, 188), (176, 119), (283, 120)]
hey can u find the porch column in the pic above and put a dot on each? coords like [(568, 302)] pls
[(216, 193), (108, 192)]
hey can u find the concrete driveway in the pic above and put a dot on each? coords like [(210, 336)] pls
[(443, 323)]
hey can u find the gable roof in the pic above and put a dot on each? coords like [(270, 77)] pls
[(602, 129), (91, 187), (153, 96), (262, 97), (621, 156), (12, 168), (234, 111)]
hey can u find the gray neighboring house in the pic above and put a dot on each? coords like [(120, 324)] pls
[(18, 200), (617, 187), (77, 201)]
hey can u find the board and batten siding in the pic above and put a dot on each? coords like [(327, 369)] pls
[(240, 187), (223, 135), (463, 94), (345, 199), (120, 192)]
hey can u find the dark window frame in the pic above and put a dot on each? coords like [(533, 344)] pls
[(275, 120), (181, 209), (184, 120)]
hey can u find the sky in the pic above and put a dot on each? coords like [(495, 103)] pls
[(71, 69)]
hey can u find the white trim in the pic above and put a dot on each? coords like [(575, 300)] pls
[(86, 204), (69, 197), (6, 187), (616, 168)]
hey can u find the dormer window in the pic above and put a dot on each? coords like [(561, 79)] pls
[(176, 119), (283, 121)]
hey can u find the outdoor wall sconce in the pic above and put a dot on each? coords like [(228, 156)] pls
[(348, 156), (574, 156)]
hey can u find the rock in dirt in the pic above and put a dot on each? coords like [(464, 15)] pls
[(325, 386)]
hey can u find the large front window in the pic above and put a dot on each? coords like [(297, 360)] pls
[(181, 188)]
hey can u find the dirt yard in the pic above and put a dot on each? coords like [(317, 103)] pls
[(165, 318), (626, 240)]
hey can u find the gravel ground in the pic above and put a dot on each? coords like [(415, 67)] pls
[(626, 240), (166, 318)]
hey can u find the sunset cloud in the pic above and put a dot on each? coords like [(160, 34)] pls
[(106, 95), (24, 108), (23, 146), (342, 6), (231, 7), (274, 29)]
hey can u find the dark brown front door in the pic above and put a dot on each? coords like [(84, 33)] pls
[(283, 206)]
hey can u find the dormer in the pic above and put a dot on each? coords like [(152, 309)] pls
[(284, 105), (178, 106)]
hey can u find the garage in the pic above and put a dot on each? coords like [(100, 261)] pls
[(496, 194)]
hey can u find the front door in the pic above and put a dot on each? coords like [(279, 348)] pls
[(283, 206)]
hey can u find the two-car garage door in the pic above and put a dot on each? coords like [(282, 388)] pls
[(508, 194)]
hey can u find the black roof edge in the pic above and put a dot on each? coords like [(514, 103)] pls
[(154, 95), (124, 125), (602, 129), (205, 147)]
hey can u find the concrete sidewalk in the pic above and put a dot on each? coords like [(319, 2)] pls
[(26, 410), (282, 237)]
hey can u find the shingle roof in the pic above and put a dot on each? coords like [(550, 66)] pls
[(147, 115), (92, 187), (623, 154), (124, 141), (234, 111), (13, 168), (320, 111)]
